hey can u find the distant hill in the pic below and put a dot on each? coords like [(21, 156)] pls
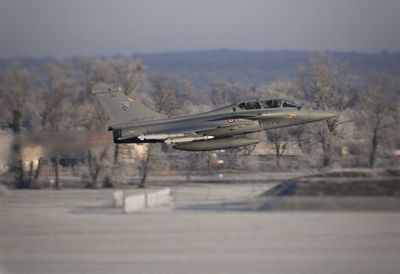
[(257, 67), (204, 68)]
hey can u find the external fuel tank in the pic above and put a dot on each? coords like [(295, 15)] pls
[(215, 144)]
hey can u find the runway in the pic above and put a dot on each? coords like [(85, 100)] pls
[(75, 231)]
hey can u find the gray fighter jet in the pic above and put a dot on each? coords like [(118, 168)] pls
[(222, 128)]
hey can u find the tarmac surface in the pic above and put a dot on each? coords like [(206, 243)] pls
[(77, 231)]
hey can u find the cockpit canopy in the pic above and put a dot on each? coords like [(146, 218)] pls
[(272, 103)]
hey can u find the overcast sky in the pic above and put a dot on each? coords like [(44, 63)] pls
[(107, 27)]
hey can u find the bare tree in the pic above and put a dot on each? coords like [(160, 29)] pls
[(380, 108), (16, 85), (130, 75), (224, 93), (281, 89), (57, 92), (278, 137), (162, 94), (325, 83), (92, 118), (98, 161)]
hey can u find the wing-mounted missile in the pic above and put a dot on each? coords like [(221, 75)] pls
[(129, 136), (214, 144)]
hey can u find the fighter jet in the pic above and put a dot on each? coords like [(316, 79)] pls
[(222, 128)]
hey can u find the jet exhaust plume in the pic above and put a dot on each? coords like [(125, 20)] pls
[(48, 144)]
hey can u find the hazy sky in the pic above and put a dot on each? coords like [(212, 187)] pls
[(88, 27)]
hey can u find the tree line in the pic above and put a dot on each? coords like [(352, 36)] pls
[(49, 106)]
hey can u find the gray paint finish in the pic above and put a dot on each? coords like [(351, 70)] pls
[(131, 122)]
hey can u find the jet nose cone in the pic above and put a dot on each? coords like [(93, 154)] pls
[(313, 115), (327, 115)]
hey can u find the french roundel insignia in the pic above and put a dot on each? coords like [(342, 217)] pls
[(231, 120)]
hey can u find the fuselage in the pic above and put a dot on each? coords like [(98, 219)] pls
[(132, 122), (227, 121)]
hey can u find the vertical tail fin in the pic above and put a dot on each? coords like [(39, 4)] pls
[(121, 109)]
